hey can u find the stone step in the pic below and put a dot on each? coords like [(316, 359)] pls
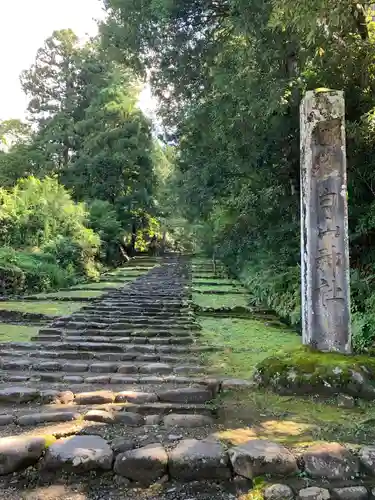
[(132, 415), (99, 378), (156, 341), (41, 365), (145, 334), (197, 395), (97, 356), (109, 314), (129, 319), (107, 347), (123, 327)]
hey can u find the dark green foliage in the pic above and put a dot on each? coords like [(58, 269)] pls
[(103, 220), (23, 272)]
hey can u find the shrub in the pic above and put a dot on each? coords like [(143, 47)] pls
[(35, 211), (22, 272)]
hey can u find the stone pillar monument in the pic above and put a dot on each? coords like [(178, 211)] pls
[(324, 223)]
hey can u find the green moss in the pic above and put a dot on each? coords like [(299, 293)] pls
[(49, 440), (218, 301), (51, 308), (74, 294), (311, 371), (17, 333), (245, 343), (306, 360), (99, 286)]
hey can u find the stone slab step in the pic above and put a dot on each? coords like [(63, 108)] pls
[(127, 319), (98, 378), (143, 408), (113, 330), (182, 396), (41, 365), (156, 341), (71, 324), (166, 414), (97, 356), (107, 347), (145, 333)]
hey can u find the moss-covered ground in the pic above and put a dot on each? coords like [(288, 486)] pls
[(217, 301), (17, 333), (250, 413), (73, 294), (245, 343), (98, 285), (50, 308)]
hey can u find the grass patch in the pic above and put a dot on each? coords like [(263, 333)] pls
[(217, 301), (76, 294), (98, 285), (261, 340), (40, 307), (17, 333)]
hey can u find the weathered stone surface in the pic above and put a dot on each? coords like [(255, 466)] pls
[(99, 379), (39, 418), (152, 419), (18, 395), (186, 395), (331, 461), (278, 492), (120, 445), (324, 244), (16, 364), (194, 460), (47, 366), (73, 379), (350, 493), (259, 457), (136, 397), (6, 419), (156, 368), (123, 379), (65, 397), (75, 367), (143, 465), (48, 396), (188, 420), (128, 368), (314, 493), (235, 383), (345, 401), (103, 367), (93, 398), (367, 458), (129, 418), (79, 453), (20, 452), (99, 416)]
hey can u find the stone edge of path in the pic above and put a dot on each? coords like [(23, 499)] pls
[(205, 459)]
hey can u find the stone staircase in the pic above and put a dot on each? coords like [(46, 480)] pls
[(115, 386)]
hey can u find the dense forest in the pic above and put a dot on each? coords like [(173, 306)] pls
[(86, 170)]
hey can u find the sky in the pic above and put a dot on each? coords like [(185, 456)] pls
[(24, 25)]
